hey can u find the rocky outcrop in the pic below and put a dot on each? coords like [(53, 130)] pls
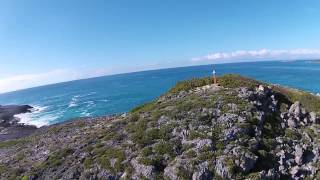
[(142, 170), (9, 124), (242, 129)]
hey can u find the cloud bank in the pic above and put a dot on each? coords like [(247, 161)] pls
[(262, 54), (23, 81), (31, 80)]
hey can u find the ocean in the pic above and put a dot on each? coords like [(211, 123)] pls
[(119, 93)]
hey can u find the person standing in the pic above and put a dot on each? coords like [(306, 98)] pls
[(214, 76)]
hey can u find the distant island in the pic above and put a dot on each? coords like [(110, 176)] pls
[(239, 129)]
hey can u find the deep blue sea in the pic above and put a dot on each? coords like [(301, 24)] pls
[(119, 93)]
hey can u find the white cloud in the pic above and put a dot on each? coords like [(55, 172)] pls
[(262, 54), (24, 81), (55, 76)]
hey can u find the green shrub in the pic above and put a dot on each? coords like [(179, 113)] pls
[(11, 143), (190, 84), (146, 151), (235, 81), (19, 156), (190, 154), (143, 108), (291, 134), (193, 134), (88, 163), (25, 178), (112, 153), (146, 161), (164, 148), (57, 158)]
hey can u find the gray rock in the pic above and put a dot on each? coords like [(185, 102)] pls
[(298, 154), (200, 144), (163, 120), (222, 169), (173, 169), (227, 118), (297, 111), (292, 123), (142, 170), (248, 162), (231, 133), (313, 117), (202, 172), (233, 107)]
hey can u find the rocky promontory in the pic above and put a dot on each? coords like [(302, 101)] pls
[(241, 129), (10, 128)]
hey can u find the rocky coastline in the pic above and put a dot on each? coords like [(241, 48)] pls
[(10, 128), (241, 129)]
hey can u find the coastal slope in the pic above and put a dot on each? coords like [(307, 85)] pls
[(241, 129)]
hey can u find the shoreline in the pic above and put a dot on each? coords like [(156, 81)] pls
[(10, 128)]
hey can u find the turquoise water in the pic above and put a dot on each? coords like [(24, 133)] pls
[(119, 93)]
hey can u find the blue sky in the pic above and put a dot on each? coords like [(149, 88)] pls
[(48, 41)]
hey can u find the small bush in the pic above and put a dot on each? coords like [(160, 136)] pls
[(190, 84), (112, 153), (235, 81), (11, 143), (146, 151), (88, 163), (190, 154), (57, 158), (143, 107), (164, 148), (291, 134)]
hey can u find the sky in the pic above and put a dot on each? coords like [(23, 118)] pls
[(50, 41)]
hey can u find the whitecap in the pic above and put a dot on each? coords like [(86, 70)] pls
[(73, 102), (85, 113), (90, 104), (34, 117), (104, 100), (28, 119)]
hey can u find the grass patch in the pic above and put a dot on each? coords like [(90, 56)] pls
[(236, 81), (88, 163), (57, 158), (143, 108), (291, 134), (164, 148), (190, 84), (11, 143), (116, 154)]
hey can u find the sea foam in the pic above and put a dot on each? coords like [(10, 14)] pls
[(35, 117)]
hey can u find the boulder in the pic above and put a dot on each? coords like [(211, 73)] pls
[(202, 172), (248, 161), (173, 170), (313, 117), (222, 169), (297, 111), (142, 170), (298, 154)]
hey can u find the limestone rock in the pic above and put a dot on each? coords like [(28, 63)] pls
[(142, 170)]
